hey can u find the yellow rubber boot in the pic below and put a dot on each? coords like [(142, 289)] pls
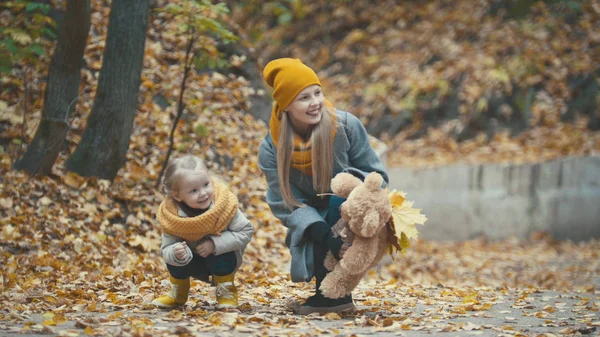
[(180, 290), (227, 294)]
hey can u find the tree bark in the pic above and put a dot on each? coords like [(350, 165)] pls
[(105, 141), (62, 91)]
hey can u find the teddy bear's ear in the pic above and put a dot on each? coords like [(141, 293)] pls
[(374, 181), (343, 183)]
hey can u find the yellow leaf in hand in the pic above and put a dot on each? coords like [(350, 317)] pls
[(404, 242), (405, 216), (396, 198)]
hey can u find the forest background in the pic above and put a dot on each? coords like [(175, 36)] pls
[(96, 95)]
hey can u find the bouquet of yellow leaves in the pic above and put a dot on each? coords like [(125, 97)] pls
[(402, 224)]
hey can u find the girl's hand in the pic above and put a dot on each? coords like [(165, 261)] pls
[(181, 250), (205, 247), (344, 248)]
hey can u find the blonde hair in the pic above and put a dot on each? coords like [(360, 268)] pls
[(321, 156), (178, 167)]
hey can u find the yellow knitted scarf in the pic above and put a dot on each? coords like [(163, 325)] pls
[(301, 158), (213, 221)]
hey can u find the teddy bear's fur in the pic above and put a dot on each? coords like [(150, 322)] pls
[(365, 214)]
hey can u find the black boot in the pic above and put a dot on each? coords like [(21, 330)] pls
[(321, 304), (324, 243)]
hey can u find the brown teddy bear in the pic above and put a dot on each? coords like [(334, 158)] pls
[(366, 214)]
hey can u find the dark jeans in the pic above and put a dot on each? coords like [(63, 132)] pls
[(320, 251), (202, 267)]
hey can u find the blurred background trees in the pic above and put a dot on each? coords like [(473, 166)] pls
[(436, 80)]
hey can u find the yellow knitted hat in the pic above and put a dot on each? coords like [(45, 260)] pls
[(287, 77)]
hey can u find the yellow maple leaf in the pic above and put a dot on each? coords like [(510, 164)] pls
[(405, 216), (332, 316), (397, 198), (471, 298), (9, 233), (74, 180), (404, 242), (48, 315)]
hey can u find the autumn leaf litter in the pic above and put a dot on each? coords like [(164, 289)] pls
[(81, 255)]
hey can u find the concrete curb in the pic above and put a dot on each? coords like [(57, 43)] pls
[(561, 197)]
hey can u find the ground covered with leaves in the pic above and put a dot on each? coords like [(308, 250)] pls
[(80, 256)]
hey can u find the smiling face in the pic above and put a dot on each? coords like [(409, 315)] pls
[(195, 189), (306, 111)]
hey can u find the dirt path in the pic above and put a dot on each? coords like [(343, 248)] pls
[(413, 311)]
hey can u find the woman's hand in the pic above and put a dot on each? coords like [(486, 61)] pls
[(181, 250), (205, 247)]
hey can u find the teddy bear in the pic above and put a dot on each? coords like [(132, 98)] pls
[(366, 213)]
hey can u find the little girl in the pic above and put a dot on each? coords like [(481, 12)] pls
[(204, 232)]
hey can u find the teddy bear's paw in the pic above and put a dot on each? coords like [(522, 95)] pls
[(331, 288), (335, 293), (330, 261)]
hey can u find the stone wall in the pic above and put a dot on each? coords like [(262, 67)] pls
[(561, 197)]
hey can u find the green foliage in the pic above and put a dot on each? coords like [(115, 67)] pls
[(29, 35), (519, 9), (284, 11), (202, 17), (206, 61), (201, 131), (574, 5), (207, 23), (523, 100)]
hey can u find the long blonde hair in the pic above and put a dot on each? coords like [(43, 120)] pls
[(321, 156)]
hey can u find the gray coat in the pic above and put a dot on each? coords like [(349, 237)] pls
[(352, 153), (234, 238)]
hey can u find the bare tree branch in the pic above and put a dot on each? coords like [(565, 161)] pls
[(180, 105)]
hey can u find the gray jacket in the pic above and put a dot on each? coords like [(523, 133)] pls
[(352, 153), (234, 238)]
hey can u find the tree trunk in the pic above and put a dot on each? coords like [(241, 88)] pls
[(105, 141), (62, 91)]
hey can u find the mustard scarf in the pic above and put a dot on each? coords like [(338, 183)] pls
[(213, 221), (301, 158)]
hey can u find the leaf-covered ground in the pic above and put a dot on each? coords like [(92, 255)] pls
[(80, 256)]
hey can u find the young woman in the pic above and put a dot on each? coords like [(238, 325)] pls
[(308, 144)]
